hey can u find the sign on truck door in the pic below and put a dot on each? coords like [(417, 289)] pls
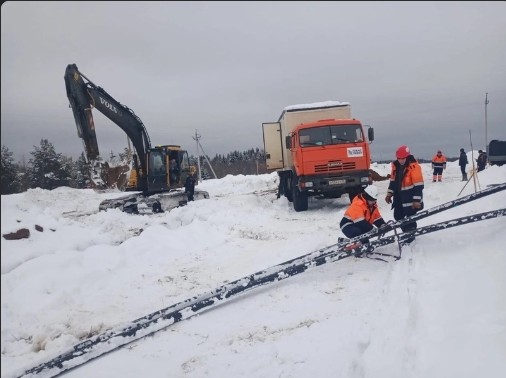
[(273, 145)]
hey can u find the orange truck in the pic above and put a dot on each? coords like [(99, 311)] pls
[(318, 150)]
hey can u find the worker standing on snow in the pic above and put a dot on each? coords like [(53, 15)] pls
[(362, 215), (462, 163), (482, 160), (406, 188), (438, 165), (189, 187)]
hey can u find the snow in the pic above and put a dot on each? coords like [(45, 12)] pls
[(323, 104), (440, 311)]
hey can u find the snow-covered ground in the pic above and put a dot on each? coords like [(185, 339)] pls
[(440, 311)]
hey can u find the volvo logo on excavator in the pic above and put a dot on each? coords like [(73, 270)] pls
[(108, 105)]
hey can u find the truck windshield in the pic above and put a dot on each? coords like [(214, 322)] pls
[(328, 135)]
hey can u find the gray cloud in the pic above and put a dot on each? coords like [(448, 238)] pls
[(417, 72)]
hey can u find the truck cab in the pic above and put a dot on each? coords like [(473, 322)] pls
[(330, 154)]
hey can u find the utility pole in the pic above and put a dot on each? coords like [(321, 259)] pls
[(486, 124), (196, 138), (208, 162)]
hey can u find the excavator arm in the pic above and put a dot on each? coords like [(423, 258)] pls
[(80, 102), (84, 96)]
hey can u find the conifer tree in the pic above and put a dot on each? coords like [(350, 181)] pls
[(9, 173), (47, 169), (82, 172)]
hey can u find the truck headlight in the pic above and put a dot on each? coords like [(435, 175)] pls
[(308, 184), (364, 179)]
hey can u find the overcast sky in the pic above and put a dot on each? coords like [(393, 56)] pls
[(417, 72)]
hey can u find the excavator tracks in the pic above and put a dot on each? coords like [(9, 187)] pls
[(138, 203)]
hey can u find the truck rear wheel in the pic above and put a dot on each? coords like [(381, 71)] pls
[(285, 187), (288, 190), (300, 199)]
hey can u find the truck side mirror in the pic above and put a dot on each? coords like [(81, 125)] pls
[(370, 134), (288, 141)]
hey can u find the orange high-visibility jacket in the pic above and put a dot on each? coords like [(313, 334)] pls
[(439, 161), (360, 214), (411, 186)]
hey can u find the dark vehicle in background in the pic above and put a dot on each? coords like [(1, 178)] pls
[(496, 151)]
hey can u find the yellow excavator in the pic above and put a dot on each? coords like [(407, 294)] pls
[(161, 177)]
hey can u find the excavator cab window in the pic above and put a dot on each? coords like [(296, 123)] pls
[(185, 161), (186, 168), (157, 166), (157, 172), (174, 167)]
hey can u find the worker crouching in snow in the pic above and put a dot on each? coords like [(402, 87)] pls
[(362, 215)]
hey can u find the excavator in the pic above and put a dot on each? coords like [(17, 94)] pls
[(161, 177)]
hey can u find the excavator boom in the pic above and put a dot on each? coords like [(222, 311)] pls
[(80, 102)]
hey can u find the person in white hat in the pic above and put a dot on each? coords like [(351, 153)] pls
[(362, 215)]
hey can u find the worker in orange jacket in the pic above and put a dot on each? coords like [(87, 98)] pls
[(362, 215), (406, 188), (438, 165)]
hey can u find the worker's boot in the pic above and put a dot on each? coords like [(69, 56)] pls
[(464, 177)]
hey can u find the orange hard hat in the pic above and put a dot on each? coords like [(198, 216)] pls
[(402, 152)]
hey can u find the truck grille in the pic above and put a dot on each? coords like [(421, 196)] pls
[(334, 166)]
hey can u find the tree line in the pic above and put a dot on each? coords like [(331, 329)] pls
[(47, 169)]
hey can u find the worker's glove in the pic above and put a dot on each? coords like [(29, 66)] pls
[(416, 205), (383, 230), (353, 247), (388, 198), (364, 241)]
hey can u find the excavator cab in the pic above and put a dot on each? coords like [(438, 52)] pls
[(168, 168)]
